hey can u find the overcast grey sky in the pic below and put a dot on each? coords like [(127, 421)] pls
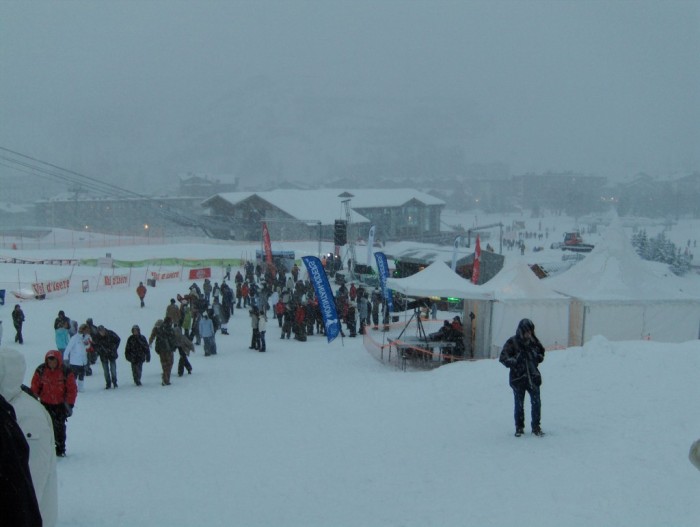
[(156, 87)]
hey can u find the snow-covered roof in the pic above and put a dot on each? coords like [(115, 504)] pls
[(438, 280), (518, 282), (326, 204)]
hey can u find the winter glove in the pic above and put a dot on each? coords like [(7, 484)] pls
[(69, 409)]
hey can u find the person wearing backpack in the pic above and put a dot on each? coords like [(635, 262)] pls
[(54, 384)]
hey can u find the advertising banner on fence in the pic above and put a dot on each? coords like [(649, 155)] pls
[(200, 274), (117, 279), (53, 286), (165, 276), (383, 271), (326, 300)]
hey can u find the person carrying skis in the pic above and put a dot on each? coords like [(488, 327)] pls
[(521, 354)]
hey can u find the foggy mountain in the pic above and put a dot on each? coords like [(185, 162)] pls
[(266, 134)]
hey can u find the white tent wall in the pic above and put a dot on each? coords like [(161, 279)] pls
[(664, 321), (672, 322), (551, 319), (613, 320)]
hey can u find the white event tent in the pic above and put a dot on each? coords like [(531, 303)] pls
[(438, 279), (613, 294), (492, 311), (517, 294)]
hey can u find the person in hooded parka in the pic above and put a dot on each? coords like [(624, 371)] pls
[(54, 384), (137, 351), (36, 424), (522, 353), (166, 343)]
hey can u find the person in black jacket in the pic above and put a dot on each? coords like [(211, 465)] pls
[(521, 354), (137, 352), (18, 504), (106, 342), (18, 321)]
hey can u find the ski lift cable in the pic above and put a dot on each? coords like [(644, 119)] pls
[(82, 177), (91, 183)]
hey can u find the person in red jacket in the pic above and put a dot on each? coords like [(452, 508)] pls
[(54, 384), (141, 292)]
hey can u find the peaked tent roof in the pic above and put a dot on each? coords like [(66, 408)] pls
[(438, 279), (518, 282), (613, 271)]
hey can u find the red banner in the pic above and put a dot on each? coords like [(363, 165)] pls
[(267, 245), (200, 274), (477, 261)]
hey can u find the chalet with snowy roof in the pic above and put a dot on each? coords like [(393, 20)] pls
[(309, 214)]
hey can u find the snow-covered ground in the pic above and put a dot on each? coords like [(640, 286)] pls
[(319, 434)]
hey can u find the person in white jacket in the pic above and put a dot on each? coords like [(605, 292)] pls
[(36, 424), (76, 355)]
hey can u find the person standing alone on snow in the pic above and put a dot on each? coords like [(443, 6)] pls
[(18, 321), (521, 354), (141, 292)]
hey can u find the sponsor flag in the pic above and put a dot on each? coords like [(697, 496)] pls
[(477, 261), (370, 245), (454, 253), (383, 270), (267, 245), (324, 294)]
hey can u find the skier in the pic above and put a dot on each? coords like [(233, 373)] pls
[(521, 354)]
